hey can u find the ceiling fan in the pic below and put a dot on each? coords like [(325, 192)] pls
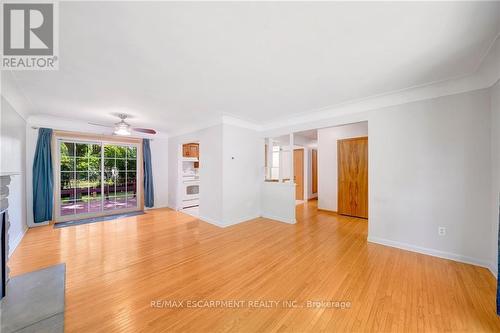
[(124, 128)]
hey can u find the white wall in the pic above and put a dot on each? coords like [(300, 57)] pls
[(429, 167), (159, 156), (211, 173), (278, 201), (243, 173), (12, 159), (309, 191), (495, 171), (327, 161), (231, 172), (286, 160), (210, 140)]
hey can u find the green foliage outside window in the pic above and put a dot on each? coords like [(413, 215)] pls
[(80, 166)]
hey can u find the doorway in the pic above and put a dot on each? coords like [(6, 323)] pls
[(96, 178), (322, 169)]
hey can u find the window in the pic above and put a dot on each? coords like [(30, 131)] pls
[(95, 178), (275, 163), (278, 158), (120, 177)]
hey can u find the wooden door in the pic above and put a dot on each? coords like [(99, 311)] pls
[(314, 167), (353, 177), (298, 170)]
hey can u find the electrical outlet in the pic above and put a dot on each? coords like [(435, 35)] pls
[(442, 231)]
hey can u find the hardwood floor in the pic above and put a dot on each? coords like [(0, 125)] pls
[(115, 270)]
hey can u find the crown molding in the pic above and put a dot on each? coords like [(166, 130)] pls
[(487, 73), (489, 69), (438, 89), (13, 94)]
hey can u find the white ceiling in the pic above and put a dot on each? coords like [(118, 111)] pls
[(173, 65)]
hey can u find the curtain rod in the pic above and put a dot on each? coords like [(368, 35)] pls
[(117, 136)]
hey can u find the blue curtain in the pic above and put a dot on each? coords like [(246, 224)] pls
[(149, 196), (42, 177)]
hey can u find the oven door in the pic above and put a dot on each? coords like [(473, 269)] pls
[(191, 190)]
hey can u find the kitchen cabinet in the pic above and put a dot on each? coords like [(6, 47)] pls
[(193, 150), (190, 150)]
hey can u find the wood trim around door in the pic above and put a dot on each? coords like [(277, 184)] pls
[(352, 159)]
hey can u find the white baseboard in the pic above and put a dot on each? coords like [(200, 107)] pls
[(494, 270), (243, 219), (280, 219), (212, 221), (433, 252), (156, 207), (16, 242), (227, 224), (35, 225)]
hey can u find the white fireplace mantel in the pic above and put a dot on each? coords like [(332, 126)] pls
[(4, 188), (5, 178)]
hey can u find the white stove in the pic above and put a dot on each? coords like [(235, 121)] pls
[(190, 191)]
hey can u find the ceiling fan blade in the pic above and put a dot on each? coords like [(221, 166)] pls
[(95, 124), (145, 130)]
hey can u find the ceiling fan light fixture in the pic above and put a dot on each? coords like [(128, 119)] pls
[(122, 128)]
